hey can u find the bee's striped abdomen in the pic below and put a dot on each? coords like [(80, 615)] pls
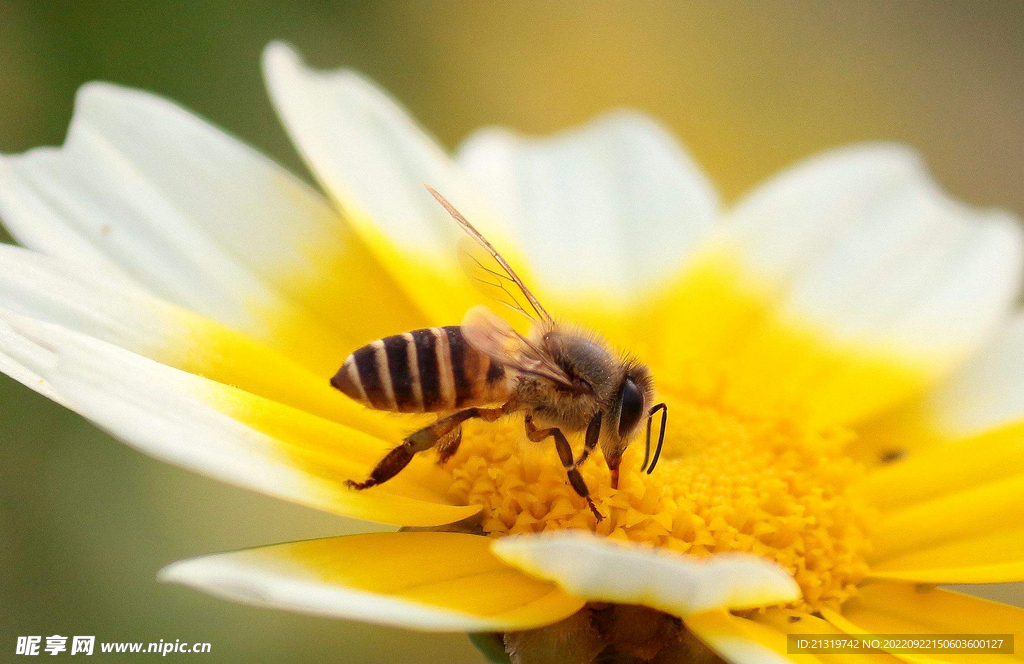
[(421, 371)]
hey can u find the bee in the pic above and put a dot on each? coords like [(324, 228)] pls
[(560, 379)]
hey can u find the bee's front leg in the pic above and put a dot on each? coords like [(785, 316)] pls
[(565, 454), (590, 441)]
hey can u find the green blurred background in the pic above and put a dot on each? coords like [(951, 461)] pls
[(85, 522)]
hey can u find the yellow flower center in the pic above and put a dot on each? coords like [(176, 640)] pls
[(763, 485)]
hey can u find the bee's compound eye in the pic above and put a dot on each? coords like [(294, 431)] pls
[(632, 407)]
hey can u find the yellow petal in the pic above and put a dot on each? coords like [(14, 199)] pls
[(720, 334), (417, 580), (974, 512), (901, 608), (947, 468), (980, 404), (950, 508), (762, 638), (988, 558), (742, 641), (793, 622), (327, 449), (599, 570)]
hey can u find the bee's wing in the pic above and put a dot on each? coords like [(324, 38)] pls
[(495, 338), (491, 273)]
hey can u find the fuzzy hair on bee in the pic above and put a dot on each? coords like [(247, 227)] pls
[(561, 379), (583, 378)]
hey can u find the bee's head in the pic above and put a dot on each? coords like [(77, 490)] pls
[(629, 411)]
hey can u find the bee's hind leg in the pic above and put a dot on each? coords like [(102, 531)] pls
[(418, 441), (565, 454), (448, 445)]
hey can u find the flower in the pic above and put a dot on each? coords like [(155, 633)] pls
[(844, 374)]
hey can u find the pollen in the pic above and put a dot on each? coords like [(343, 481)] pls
[(725, 483)]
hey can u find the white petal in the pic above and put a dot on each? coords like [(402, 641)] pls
[(79, 297), (14, 345), (143, 189), (370, 156), (198, 424), (416, 580), (615, 204), (128, 395), (987, 391), (88, 301), (861, 242), (599, 570), (258, 584)]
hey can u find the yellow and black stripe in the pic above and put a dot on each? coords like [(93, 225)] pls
[(422, 371)]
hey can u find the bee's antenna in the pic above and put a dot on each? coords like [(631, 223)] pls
[(661, 436), (647, 448)]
